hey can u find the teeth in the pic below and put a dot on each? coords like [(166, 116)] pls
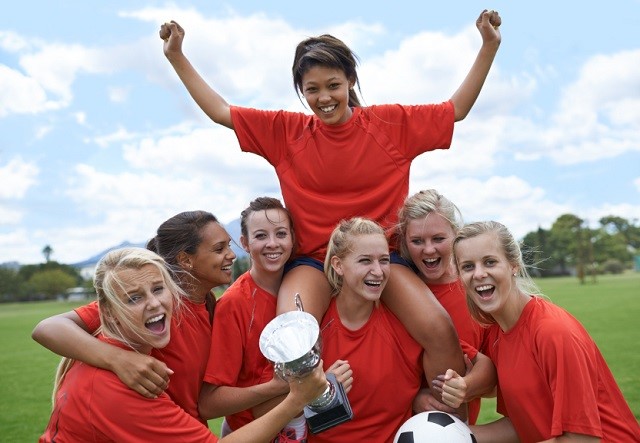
[(430, 260), (226, 268), (328, 108), (272, 256), (373, 283), (484, 288), (155, 319)]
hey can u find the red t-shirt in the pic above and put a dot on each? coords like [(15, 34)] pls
[(332, 172), (387, 371), (93, 405), (186, 354), (553, 379), (235, 358), (452, 297)]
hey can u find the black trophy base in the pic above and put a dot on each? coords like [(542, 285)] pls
[(337, 412)]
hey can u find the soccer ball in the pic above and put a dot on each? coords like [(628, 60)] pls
[(434, 427)]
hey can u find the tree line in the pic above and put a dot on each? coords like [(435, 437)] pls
[(569, 247)]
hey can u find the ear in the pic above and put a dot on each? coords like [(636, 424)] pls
[(108, 316), (244, 243), (336, 264), (185, 261), (514, 270)]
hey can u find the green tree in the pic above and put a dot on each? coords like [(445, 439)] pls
[(10, 285), (564, 238), (47, 251), (51, 283)]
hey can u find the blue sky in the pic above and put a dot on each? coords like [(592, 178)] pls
[(100, 143)]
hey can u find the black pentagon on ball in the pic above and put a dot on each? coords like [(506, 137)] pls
[(440, 418), (406, 437)]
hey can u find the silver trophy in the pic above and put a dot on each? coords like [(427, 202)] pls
[(291, 341)]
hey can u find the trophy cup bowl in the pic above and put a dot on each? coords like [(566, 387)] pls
[(291, 341)]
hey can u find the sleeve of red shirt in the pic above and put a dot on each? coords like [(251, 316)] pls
[(90, 315), (227, 344)]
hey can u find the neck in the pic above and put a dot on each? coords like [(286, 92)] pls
[(511, 312), (268, 281), (354, 311)]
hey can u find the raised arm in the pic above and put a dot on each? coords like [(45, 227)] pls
[(209, 100), (67, 335), (465, 97)]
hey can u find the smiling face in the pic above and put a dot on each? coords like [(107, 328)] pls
[(365, 269), (429, 242), (326, 91), (269, 240), (212, 263), (488, 276), (148, 305)]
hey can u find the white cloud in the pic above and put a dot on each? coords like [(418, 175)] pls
[(17, 176), (20, 94), (597, 117)]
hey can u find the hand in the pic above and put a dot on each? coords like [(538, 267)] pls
[(424, 401), (310, 387), (173, 35), (144, 374), (488, 24), (343, 372), (279, 385), (452, 387)]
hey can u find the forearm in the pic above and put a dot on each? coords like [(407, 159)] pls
[(219, 401), (499, 431), (63, 335), (205, 97), (482, 378), (266, 427), (466, 95)]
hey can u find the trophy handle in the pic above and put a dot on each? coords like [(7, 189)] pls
[(298, 302)]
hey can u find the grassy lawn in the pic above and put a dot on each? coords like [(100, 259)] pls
[(609, 309)]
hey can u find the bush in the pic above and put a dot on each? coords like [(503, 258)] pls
[(612, 266)]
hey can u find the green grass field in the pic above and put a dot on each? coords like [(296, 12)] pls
[(609, 309)]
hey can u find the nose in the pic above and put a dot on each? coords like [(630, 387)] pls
[(324, 96), (429, 248), (479, 272), (231, 255), (152, 302), (376, 269), (271, 241)]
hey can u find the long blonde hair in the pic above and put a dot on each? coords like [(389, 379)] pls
[(512, 252), (106, 282)]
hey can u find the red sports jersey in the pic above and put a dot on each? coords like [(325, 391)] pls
[(186, 354), (235, 358), (387, 372), (553, 379), (93, 405), (332, 172)]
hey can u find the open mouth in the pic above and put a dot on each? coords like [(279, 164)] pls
[(485, 291), (328, 109), (156, 324), (373, 283), (431, 263)]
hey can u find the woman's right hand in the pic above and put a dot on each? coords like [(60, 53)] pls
[(173, 35), (144, 374), (305, 390)]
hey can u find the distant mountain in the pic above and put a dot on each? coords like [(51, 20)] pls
[(233, 228)]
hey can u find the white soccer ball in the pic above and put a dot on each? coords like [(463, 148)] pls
[(434, 427)]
